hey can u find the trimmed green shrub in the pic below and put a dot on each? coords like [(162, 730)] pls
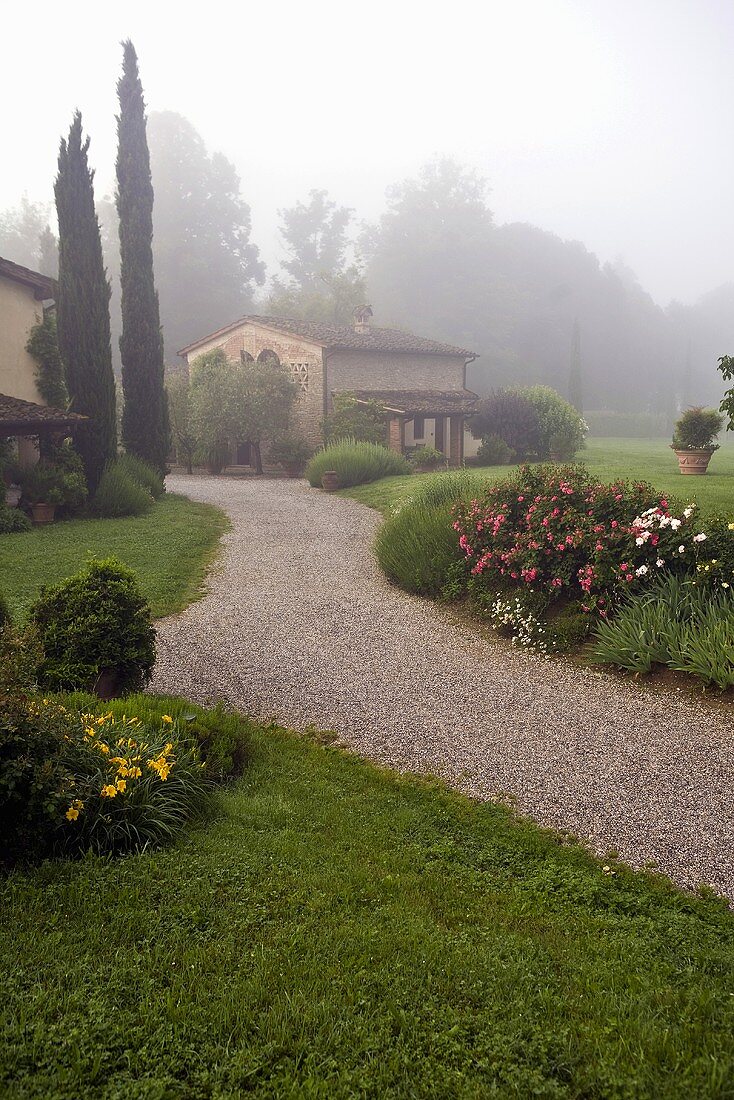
[(119, 494), (417, 548), (95, 622), (494, 451), (143, 474), (13, 520), (605, 422), (34, 780), (355, 463)]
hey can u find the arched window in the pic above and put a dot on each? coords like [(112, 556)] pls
[(267, 355), (245, 357)]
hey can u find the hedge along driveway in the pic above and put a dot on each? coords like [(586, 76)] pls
[(170, 548), (300, 625)]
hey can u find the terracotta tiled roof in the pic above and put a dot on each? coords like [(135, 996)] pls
[(42, 286), (342, 337), (24, 416), (422, 402)]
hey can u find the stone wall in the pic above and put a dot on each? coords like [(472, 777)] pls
[(359, 370)]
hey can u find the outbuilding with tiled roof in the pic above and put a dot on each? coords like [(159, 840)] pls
[(420, 382)]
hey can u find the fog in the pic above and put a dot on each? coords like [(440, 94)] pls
[(607, 124)]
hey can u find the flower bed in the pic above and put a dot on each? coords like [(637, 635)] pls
[(561, 533)]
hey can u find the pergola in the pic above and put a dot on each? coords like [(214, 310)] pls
[(447, 408), (20, 418)]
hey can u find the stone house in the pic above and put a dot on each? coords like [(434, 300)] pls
[(420, 383), (24, 294)]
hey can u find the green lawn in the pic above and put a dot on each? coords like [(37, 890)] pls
[(606, 459), (169, 548), (341, 932)]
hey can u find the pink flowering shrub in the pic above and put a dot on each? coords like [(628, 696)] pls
[(558, 532)]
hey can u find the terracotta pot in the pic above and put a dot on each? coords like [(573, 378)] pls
[(693, 462), (330, 481), (294, 470), (105, 686), (43, 513)]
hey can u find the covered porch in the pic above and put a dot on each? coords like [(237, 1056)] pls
[(26, 422), (424, 418)]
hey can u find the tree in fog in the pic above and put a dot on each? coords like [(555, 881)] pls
[(323, 283), (26, 237), (145, 426), (575, 383), (83, 307), (206, 264)]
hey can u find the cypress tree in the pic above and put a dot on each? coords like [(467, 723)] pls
[(575, 385), (83, 307), (145, 426)]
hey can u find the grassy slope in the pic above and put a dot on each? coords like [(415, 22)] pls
[(170, 549), (341, 932), (606, 459)]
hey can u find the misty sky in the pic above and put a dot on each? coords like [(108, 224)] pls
[(606, 121)]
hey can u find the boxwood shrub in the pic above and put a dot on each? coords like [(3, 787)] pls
[(96, 621)]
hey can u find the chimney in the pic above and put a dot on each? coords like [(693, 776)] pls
[(362, 316)]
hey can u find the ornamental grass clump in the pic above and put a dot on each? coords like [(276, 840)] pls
[(676, 624), (416, 548), (556, 531), (120, 494), (355, 463), (142, 474)]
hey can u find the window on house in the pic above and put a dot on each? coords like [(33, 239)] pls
[(267, 355), (246, 357), (299, 375), (419, 427)]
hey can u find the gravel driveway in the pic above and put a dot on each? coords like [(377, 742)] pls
[(300, 626)]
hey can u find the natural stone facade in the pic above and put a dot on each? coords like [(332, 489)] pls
[(325, 360)]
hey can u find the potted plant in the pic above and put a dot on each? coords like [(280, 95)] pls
[(45, 487), (693, 439), (292, 453)]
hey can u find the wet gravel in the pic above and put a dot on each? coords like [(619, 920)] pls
[(300, 626)]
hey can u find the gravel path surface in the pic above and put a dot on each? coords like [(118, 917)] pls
[(300, 626)]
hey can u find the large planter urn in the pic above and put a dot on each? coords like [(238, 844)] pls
[(330, 481), (43, 513), (106, 684), (693, 463)]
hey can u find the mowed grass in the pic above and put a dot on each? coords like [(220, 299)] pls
[(170, 549), (341, 932), (606, 459)]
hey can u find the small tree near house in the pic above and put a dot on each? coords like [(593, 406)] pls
[(265, 398), (236, 403)]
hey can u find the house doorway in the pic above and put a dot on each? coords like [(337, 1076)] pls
[(243, 457)]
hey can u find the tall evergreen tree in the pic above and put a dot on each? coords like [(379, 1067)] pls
[(575, 384), (145, 426), (83, 306)]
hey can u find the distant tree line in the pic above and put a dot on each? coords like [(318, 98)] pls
[(537, 309)]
